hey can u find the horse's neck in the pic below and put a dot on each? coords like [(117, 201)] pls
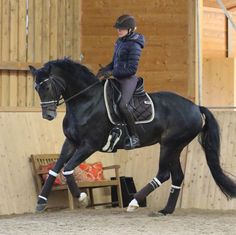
[(77, 86), (88, 95)]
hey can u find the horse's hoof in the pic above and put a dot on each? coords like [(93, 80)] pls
[(41, 207), (83, 200), (166, 211), (133, 206), (156, 214)]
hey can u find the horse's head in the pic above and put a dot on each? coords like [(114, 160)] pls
[(49, 87), (57, 78)]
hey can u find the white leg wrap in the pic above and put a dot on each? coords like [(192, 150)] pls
[(158, 181), (83, 200), (44, 198), (175, 187), (67, 172), (53, 173), (82, 196), (133, 205), (155, 183)]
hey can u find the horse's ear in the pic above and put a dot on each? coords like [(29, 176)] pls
[(32, 70), (50, 68)]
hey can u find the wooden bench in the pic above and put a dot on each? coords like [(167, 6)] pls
[(38, 160)]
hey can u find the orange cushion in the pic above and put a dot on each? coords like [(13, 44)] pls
[(58, 180), (89, 172)]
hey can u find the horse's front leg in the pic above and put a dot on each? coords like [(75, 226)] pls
[(67, 152), (81, 154)]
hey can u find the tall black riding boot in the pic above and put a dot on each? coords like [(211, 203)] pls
[(133, 141)]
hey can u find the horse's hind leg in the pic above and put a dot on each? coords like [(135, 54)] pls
[(177, 177), (167, 154)]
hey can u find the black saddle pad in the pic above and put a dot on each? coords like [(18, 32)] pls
[(141, 104)]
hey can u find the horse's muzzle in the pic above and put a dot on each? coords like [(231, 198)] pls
[(49, 114)]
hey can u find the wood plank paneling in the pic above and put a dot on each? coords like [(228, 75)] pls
[(30, 53), (227, 3), (165, 27), (200, 190), (17, 187), (76, 38), (5, 93), (46, 7), (14, 47), (214, 43), (68, 27), (219, 75), (22, 79), (38, 30), (61, 28), (1, 36), (53, 28), (234, 36)]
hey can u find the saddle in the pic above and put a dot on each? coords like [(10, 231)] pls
[(140, 105)]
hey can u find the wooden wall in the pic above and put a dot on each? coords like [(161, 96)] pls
[(53, 32), (234, 33), (142, 164), (165, 59), (219, 82), (229, 4), (200, 190), (215, 33), (30, 134), (218, 50)]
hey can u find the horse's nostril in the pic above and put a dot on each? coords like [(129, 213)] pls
[(49, 117)]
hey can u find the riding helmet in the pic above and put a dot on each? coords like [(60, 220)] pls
[(125, 22)]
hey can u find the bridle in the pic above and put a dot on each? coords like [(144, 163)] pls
[(58, 85)]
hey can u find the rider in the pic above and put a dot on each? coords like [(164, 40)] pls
[(123, 67)]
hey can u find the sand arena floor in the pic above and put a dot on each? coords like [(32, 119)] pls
[(118, 221)]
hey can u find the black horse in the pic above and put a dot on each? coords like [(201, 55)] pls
[(86, 125)]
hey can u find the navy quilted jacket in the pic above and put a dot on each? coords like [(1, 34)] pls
[(126, 55)]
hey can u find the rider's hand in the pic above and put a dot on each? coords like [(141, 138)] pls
[(101, 72), (102, 75)]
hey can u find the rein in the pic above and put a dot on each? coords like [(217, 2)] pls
[(77, 94), (55, 81)]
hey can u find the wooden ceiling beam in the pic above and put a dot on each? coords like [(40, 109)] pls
[(229, 4)]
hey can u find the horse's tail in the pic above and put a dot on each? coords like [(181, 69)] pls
[(210, 141)]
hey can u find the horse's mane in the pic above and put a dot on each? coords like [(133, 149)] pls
[(68, 65)]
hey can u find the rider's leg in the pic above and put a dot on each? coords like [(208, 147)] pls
[(128, 86)]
